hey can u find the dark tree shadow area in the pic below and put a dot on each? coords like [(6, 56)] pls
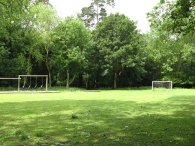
[(99, 123)]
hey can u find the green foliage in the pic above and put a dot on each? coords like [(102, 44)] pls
[(17, 40), (119, 44), (43, 19), (174, 16), (172, 46), (71, 40), (95, 12)]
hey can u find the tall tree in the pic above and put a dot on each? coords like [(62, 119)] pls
[(94, 13), (71, 43), (44, 19), (119, 43)]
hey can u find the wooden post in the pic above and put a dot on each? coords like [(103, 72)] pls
[(18, 84), (46, 84)]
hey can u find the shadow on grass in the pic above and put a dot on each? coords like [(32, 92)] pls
[(100, 123), (127, 88)]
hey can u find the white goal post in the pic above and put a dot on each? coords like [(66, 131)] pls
[(18, 80), (162, 84), (44, 80), (40, 82)]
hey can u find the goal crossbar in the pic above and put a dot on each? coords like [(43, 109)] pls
[(10, 78), (32, 76)]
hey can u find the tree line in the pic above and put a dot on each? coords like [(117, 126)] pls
[(95, 49)]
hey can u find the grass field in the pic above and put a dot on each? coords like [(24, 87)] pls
[(104, 118)]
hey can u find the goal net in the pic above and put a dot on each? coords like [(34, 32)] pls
[(162, 85)]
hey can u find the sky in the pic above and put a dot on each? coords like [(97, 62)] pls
[(134, 9)]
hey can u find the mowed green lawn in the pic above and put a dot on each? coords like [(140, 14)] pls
[(104, 118)]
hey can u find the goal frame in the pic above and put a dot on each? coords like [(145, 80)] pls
[(13, 79), (171, 86), (34, 76)]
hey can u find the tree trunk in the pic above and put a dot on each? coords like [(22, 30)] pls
[(97, 15), (115, 80), (47, 65), (49, 73), (67, 78), (71, 81), (86, 84), (49, 76)]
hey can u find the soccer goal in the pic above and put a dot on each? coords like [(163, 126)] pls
[(9, 84), (162, 85), (33, 83)]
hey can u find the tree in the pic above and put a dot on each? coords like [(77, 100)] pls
[(95, 12), (176, 17), (71, 40), (182, 15), (119, 42), (43, 19), (172, 22), (14, 39)]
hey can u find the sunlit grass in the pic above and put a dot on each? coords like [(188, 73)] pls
[(104, 117)]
